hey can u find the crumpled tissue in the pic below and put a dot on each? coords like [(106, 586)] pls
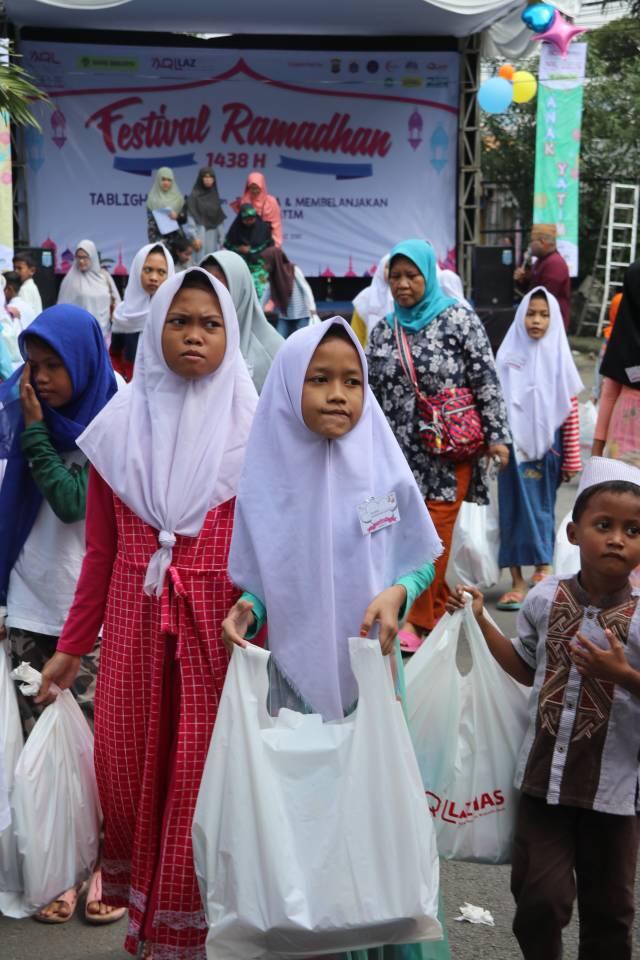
[(472, 914)]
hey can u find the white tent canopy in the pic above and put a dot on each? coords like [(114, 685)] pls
[(329, 18)]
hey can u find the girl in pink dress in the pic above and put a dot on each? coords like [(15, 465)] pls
[(166, 457)]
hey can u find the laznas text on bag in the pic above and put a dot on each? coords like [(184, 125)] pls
[(452, 811)]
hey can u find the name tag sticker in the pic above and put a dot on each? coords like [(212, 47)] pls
[(376, 513), (513, 360), (633, 373)]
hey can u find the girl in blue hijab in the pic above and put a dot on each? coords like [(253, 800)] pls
[(44, 407), (418, 298)]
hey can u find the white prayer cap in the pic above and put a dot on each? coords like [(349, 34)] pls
[(604, 470)]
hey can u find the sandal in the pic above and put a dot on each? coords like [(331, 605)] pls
[(69, 898), (511, 600), (409, 641), (94, 895), (539, 576)]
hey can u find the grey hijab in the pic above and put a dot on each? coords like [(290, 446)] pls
[(259, 341)]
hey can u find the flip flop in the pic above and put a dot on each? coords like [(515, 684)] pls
[(409, 642), (94, 895), (511, 600), (539, 577), (70, 897)]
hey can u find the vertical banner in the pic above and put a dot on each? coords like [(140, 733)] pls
[(557, 175), (6, 197)]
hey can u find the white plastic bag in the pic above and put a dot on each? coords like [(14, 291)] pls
[(587, 418), (566, 556), (11, 741), (311, 837), (476, 544), (467, 731), (56, 810)]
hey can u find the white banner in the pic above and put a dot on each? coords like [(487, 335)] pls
[(359, 149)]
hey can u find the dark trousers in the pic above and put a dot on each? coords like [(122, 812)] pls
[(560, 852)]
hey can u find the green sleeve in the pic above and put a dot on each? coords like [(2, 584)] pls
[(415, 583), (259, 612), (64, 488)]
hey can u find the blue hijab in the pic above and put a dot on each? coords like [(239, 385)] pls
[(434, 300), (76, 336)]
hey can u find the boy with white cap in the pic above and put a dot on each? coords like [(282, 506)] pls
[(578, 646)]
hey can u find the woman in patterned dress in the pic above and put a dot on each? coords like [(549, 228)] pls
[(449, 348), (166, 456)]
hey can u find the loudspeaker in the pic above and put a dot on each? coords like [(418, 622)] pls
[(45, 278), (497, 321), (493, 276)]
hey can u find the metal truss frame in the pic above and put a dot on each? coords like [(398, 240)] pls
[(468, 225)]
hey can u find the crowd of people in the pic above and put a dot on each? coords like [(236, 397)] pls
[(181, 477)]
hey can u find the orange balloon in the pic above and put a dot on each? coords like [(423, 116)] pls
[(507, 71)]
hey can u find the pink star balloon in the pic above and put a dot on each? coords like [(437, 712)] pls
[(560, 34)]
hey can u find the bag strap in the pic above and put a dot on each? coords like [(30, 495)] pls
[(404, 352)]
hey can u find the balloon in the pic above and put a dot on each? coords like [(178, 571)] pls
[(539, 16), (560, 34), (495, 95), (507, 71), (524, 86)]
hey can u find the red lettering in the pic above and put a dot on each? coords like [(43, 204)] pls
[(107, 116), (244, 127), (498, 797), (486, 801), (152, 130), (240, 115)]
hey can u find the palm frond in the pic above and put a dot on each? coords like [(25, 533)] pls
[(17, 94)]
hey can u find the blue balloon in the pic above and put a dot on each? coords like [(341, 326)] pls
[(539, 16), (495, 95)]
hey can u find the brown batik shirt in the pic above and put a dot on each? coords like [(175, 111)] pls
[(582, 746)]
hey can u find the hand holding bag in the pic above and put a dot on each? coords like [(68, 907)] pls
[(312, 837), (467, 732), (450, 425)]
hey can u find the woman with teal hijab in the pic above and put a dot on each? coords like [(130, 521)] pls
[(450, 350), (422, 261)]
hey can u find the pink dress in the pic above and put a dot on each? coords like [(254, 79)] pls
[(619, 421), (161, 673)]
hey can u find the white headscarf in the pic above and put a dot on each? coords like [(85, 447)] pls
[(259, 341), (90, 289), (130, 315), (538, 379), (375, 301), (297, 542), (172, 449), (451, 284)]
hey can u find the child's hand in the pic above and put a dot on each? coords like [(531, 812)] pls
[(236, 624), (568, 475), (384, 610), (456, 600), (592, 661), (62, 670), (31, 409)]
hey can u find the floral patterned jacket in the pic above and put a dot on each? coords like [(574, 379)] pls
[(452, 351)]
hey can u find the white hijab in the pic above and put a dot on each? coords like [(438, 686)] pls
[(90, 289), (259, 341), (451, 284), (375, 301), (297, 542), (172, 449), (130, 315), (538, 379)]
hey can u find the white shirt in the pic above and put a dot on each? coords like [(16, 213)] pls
[(30, 294), (44, 577)]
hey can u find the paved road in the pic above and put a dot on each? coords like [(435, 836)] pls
[(483, 885)]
